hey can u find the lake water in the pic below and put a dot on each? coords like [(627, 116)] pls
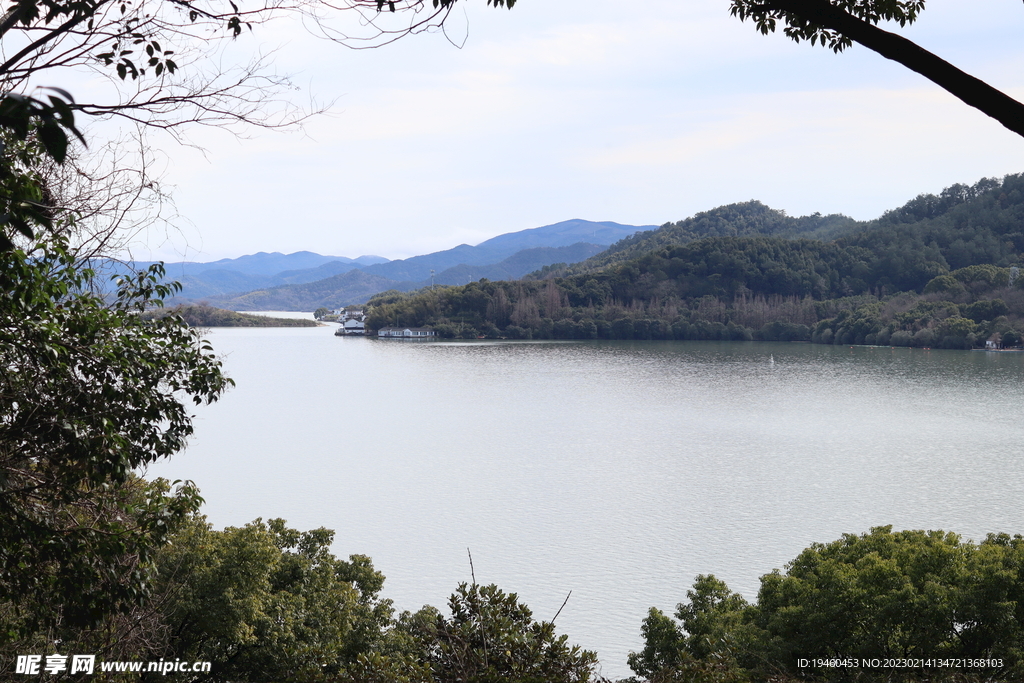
[(615, 470)]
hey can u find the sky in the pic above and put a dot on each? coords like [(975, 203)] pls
[(584, 109)]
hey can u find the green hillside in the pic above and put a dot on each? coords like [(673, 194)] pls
[(938, 271), (733, 220)]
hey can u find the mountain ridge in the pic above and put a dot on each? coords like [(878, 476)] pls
[(352, 287), (222, 281)]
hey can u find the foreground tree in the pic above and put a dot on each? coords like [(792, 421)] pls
[(44, 620), (897, 594), (703, 643), (837, 24), (492, 637), (89, 392), (880, 595), (265, 602)]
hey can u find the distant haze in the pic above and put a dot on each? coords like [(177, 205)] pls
[(305, 280)]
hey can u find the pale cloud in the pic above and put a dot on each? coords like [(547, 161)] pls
[(703, 140), (835, 122)]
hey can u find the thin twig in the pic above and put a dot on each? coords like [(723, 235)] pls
[(561, 608), (483, 633)]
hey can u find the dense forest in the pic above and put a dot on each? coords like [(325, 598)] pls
[(907, 605), (940, 271), (734, 220)]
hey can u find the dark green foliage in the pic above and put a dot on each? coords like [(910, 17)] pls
[(780, 331), (946, 285), (989, 309), (734, 220), (389, 297), (51, 121), (883, 594), (91, 392), (492, 638), (141, 518), (704, 639), (903, 594), (516, 332), (267, 603), (664, 645), (926, 206), (983, 277), (24, 202)]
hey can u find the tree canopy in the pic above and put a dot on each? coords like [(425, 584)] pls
[(883, 594), (491, 636), (89, 392), (265, 602)]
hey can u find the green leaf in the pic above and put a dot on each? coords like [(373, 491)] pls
[(54, 141)]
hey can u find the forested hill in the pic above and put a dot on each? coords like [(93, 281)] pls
[(902, 251), (970, 223), (964, 225), (941, 270), (732, 220)]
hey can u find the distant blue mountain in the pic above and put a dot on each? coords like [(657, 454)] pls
[(568, 241), (515, 266), (256, 271), (563, 234), (499, 248), (263, 263), (356, 286)]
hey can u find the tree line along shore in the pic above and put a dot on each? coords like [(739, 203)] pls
[(941, 271)]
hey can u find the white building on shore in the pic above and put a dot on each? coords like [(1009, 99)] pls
[(405, 333)]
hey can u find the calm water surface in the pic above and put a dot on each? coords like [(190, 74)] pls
[(615, 470)]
